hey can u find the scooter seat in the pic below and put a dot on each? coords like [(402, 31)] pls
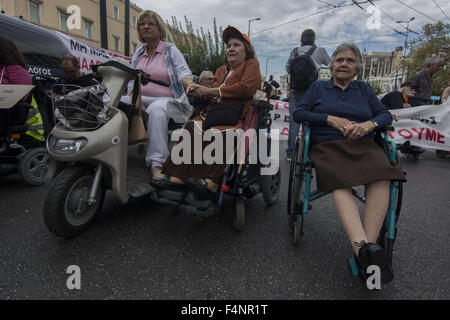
[(174, 125)]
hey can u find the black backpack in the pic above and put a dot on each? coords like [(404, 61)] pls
[(303, 70)]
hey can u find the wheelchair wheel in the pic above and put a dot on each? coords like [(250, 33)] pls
[(270, 186), (296, 226), (383, 239), (295, 178), (33, 166), (239, 215)]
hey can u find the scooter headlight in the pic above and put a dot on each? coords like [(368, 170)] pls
[(66, 146)]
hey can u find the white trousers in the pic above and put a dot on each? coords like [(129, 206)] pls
[(158, 120)]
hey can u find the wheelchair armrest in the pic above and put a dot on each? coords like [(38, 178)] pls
[(306, 125)]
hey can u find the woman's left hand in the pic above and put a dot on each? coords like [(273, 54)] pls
[(360, 130)]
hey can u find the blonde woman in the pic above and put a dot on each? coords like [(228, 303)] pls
[(164, 62)]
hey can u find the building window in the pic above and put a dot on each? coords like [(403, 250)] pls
[(134, 47), (63, 17), (116, 12), (88, 29), (34, 9), (116, 43), (134, 22)]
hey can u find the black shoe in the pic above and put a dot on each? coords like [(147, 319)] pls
[(372, 254), (404, 146), (200, 187), (167, 184), (416, 150)]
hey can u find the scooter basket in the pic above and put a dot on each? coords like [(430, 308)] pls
[(81, 109)]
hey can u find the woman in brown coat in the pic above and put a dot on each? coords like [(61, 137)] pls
[(235, 83)]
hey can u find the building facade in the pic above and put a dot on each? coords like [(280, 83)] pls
[(384, 68), (54, 15)]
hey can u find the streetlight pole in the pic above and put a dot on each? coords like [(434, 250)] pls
[(248, 34), (406, 46), (267, 63)]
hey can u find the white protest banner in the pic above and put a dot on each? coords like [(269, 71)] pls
[(10, 94), (87, 54), (425, 126), (280, 118)]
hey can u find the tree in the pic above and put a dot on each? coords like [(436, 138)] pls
[(206, 51), (433, 41)]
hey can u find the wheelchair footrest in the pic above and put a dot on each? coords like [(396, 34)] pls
[(353, 267)]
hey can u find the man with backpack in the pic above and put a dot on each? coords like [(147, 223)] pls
[(303, 68)]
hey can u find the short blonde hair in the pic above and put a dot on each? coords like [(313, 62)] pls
[(159, 21)]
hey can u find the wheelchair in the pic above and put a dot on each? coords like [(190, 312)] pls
[(240, 181), (18, 151), (300, 195)]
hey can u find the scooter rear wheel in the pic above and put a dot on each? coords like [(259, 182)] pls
[(67, 212)]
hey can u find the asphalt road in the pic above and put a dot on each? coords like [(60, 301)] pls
[(143, 250)]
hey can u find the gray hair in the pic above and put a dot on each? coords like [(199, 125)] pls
[(202, 75), (159, 21), (434, 60), (344, 47)]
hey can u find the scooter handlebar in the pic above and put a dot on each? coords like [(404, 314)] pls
[(146, 78)]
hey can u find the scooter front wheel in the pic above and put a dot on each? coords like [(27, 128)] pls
[(67, 211)]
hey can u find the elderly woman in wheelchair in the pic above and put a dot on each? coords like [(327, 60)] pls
[(344, 116)]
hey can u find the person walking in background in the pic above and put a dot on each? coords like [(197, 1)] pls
[(422, 80), (302, 66)]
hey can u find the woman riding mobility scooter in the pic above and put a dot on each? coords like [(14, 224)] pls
[(89, 153)]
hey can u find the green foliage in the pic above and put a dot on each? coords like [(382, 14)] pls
[(376, 84), (206, 51), (433, 41)]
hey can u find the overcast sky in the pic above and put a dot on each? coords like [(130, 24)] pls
[(282, 22)]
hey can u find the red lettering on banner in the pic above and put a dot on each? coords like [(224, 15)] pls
[(285, 132), (419, 133), (410, 135), (286, 106), (84, 64), (439, 138), (431, 135), (391, 136)]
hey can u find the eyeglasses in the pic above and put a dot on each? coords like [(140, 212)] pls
[(208, 79)]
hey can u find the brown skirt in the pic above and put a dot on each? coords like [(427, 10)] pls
[(346, 163), (199, 171)]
